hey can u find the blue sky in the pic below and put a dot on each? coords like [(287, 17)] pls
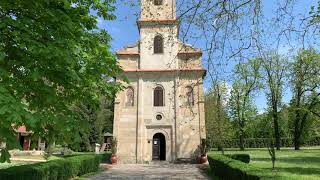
[(124, 32)]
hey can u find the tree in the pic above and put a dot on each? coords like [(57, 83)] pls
[(274, 72), (97, 121), (245, 84), (52, 56), (218, 126), (305, 86)]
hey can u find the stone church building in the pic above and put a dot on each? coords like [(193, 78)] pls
[(160, 114)]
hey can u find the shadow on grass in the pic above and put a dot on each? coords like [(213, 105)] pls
[(292, 160), (300, 160), (260, 159), (301, 164), (300, 170)]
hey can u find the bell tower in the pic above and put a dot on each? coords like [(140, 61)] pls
[(158, 28), (158, 9)]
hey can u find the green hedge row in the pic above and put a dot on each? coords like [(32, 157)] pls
[(228, 168), (240, 157), (60, 169), (259, 142)]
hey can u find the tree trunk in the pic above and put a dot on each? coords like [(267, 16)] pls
[(241, 140), (297, 131), (276, 129), (297, 142)]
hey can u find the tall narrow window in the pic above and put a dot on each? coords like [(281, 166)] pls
[(158, 97), (190, 99), (130, 97), (157, 2), (158, 44)]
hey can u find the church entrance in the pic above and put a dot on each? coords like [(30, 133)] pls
[(159, 147)]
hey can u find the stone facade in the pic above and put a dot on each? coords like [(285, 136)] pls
[(178, 72)]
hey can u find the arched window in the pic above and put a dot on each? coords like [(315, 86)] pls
[(158, 96), (157, 2), (130, 96), (190, 99), (158, 44)]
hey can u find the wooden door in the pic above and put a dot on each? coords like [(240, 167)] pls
[(156, 148)]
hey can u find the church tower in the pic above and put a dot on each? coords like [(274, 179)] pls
[(160, 114), (158, 28)]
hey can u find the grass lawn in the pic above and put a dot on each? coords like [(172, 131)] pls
[(303, 164)]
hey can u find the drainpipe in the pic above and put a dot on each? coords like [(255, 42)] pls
[(199, 111), (175, 115), (137, 123)]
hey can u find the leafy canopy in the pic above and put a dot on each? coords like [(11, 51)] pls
[(52, 55)]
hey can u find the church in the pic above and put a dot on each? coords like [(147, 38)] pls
[(159, 116)]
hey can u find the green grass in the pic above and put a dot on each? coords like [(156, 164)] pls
[(303, 164)]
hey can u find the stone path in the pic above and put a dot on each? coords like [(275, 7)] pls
[(153, 171)]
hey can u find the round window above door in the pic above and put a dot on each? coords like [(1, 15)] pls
[(159, 117)]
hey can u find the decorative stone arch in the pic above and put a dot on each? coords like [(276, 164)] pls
[(163, 131)]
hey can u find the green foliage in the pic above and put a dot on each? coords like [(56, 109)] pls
[(275, 70), (203, 147), (5, 156), (61, 169), (240, 157), (315, 13), (228, 168), (114, 145), (52, 56), (241, 108), (98, 119), (263, 142), (306, 95), (218, 124)]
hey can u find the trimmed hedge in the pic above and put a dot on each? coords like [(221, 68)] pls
[(60, 169), (240, 157), (227, 168), (260, 142)]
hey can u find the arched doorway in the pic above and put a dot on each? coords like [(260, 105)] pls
[(159, 147)]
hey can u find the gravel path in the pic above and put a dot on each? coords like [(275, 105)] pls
[(160, 171)]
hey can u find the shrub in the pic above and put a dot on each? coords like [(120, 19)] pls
[(228, 168), (60, 169), (260, 142), (240, 157)]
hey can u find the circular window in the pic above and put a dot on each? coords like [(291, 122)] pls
[(159, 117)]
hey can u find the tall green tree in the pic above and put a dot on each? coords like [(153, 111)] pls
[(98, 120), (52, 56), (246, 83), (274, 70), (306, 91), (218, 126)]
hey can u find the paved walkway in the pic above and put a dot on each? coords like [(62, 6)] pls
[(153, 171)]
